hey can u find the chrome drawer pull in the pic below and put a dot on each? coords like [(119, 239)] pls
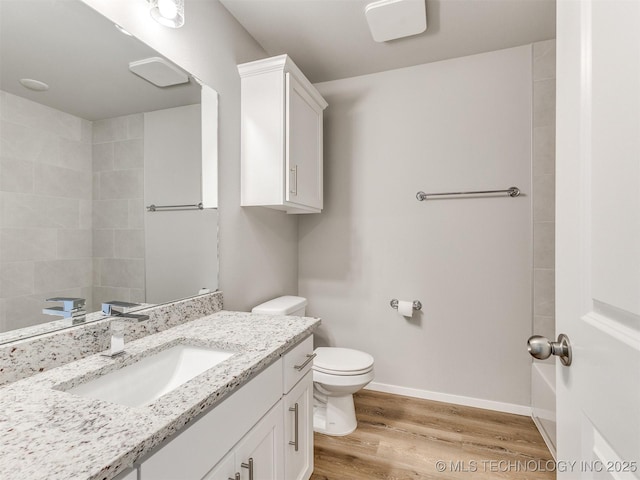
[(250, 467), (236, 477), (294, 409), (310, 357)]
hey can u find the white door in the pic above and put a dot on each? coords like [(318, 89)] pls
[(598, 237)]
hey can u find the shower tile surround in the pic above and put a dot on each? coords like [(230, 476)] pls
[(126, 435), (118, 226), (24, 358), (62, 232), (46, 209), (544, 101)]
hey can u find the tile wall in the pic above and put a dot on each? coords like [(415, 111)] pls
[(544, 142), (118, 223), (62, 234), (45, 209)]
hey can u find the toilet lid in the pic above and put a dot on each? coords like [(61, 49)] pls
[(342, 361)]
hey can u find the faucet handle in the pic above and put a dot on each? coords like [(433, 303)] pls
[(68, 303), (107, 307), (71, 308)]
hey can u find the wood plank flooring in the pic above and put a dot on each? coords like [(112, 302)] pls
[(402, 438)]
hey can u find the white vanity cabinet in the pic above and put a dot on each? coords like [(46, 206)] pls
[(246, 437), (298, 428), (281, 128), (259, 456), (131, 474)]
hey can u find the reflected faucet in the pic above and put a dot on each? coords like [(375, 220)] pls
[(72, 307), (117, 325)]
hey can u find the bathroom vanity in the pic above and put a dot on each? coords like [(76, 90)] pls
[(248, 416)]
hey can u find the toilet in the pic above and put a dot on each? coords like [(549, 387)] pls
[(338, 373)]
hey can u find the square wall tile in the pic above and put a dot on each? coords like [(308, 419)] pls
[(544, 60), (544, 103), (544, 285), (544, 241), (544, 198), (544, 151)]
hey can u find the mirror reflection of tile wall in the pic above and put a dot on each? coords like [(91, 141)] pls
[(118, 223), (71, 222), (46, 214)]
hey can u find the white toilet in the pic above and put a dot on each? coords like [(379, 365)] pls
[(338, 373)]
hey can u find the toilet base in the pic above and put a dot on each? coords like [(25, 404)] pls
[(334, 415)]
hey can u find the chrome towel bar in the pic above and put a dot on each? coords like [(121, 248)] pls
[(511, 191), (155, 208)]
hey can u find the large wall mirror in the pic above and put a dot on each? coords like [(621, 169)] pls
[(82, 162)]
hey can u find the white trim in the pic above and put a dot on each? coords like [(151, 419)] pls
[(449, 398), (545, 437), (282, 63)]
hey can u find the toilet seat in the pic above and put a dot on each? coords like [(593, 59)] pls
[(342, 361)]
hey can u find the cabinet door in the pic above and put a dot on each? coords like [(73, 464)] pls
[(131, 474), (225, 470), (298, 457), (303, 146), (261, 450)]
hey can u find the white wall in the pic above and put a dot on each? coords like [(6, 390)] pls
[(453, 125), (258, 247), (180, 246)]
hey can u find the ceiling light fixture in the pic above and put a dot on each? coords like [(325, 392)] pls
[(392, 19), (122, 30), (35, 85), (169, 13)]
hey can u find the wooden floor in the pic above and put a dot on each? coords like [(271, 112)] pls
[(406, 438)]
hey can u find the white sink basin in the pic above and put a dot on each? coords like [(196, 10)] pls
[(147, 380)]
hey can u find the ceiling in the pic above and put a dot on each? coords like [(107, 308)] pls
[(82, 57), (330, 39)]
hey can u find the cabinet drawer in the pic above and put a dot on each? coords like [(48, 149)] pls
[(294, 360), (193, 452)]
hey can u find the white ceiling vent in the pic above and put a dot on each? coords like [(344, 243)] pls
[(159, 72), (391, 19)]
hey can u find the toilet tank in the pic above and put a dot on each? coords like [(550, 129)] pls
[(286, 305)]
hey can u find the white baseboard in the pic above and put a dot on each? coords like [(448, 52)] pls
[(455, 399), (545, 437)]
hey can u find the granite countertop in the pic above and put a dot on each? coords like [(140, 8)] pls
[(47, 433)]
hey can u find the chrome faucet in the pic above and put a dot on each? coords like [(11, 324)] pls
[(71, 308), (117, 324)]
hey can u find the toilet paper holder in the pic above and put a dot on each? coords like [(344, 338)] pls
[(417, 304)]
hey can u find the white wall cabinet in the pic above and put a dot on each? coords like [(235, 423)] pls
[(281, 128), (247, 430)]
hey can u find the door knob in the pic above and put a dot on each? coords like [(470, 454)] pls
[(541, 348)]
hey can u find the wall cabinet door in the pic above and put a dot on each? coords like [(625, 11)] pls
[(298, 411), (303, 146)]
